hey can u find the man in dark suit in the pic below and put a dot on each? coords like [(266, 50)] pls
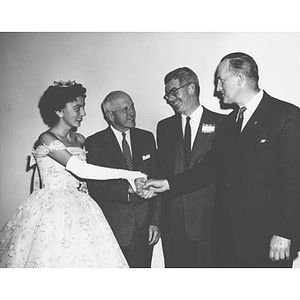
[(134, 221), (186, 220), (256, 169)]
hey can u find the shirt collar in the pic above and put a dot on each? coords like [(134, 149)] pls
[(118, 133), (254, 102), (195, 116)]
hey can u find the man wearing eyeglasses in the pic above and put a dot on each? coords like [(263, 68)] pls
[(186, 220)]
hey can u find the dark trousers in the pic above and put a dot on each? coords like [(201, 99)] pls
[(225, 254), (184, 253), (137, 254)]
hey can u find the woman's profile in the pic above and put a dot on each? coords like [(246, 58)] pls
[(59, 224)]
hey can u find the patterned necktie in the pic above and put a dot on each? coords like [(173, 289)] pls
[(239, 123), (126, 152), (187, 141)]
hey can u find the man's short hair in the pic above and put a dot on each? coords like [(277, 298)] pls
[(243, 63), (184, 75), (109, 99)]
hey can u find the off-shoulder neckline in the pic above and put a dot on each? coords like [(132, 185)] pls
[(60, 143)]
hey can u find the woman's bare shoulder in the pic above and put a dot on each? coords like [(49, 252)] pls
[(80, 139), (46, 138)]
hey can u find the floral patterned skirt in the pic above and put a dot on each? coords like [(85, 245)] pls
[(59, 228)]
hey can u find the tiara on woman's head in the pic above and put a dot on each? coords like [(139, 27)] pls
[(64, 83)]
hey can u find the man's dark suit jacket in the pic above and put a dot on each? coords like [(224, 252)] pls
[(188, 216), (258, 178), (112, 195)]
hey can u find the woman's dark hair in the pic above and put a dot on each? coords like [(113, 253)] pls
[(56, 97)]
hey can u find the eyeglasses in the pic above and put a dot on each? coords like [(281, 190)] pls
[(173, 91)]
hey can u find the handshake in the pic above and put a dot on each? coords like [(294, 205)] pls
[(148, 188)]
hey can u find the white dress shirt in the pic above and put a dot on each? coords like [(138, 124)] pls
[(251, 107), (119, 137)]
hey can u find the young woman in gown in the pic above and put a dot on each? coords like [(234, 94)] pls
[(60, 225)]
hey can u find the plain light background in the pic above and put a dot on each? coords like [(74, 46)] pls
[(133, 62)]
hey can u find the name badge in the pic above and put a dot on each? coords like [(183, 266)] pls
[(208, 128)]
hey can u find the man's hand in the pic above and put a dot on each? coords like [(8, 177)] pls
[(139, 185), (279, 248), (143, 192), (154, 234), (157, 185)]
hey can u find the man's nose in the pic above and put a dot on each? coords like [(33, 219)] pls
[(131, 111), (171, 98)]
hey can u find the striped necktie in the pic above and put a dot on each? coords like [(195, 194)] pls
[(239, 123), (126, 152), (187, 141)]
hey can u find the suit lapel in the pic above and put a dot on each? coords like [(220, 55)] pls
[(174, 137), (178, 138), (136, 146), (254, 123), (201, 139)]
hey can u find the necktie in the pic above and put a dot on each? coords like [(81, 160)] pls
[(126, 152), (239, 123), (187, 141)]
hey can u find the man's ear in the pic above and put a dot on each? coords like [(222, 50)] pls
[(191, 88), (109, 116), (240, 78)]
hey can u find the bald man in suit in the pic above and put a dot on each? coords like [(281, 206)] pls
[(134, 221)]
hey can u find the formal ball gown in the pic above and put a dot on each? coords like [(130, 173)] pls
[(59, 224)]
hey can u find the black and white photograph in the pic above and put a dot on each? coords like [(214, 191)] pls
[(170, 152)]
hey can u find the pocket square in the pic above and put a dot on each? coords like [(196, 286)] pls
[(262, 141), (208, 128), (144, 157)]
